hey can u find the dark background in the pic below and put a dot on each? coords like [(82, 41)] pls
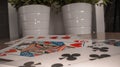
[(112, 18), (4, 26)]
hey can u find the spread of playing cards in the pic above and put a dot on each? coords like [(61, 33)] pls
[(59, 51)]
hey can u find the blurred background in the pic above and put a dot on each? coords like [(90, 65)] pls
[(111, 14)]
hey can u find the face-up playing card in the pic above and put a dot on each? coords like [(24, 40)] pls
[(64, 58), (71, 56), (32, 48)]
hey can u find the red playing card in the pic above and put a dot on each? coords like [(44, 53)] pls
[(66, 37)]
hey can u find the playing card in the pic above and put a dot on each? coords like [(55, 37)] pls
[(64, 58), (106, 62), (71, 56), (32, 48)]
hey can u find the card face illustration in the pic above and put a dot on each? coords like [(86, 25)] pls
[(32, 48)]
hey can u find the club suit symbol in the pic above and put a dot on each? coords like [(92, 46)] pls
[(70, 57), (57, 65), (95, 56), (102, 49), (30, 64)]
